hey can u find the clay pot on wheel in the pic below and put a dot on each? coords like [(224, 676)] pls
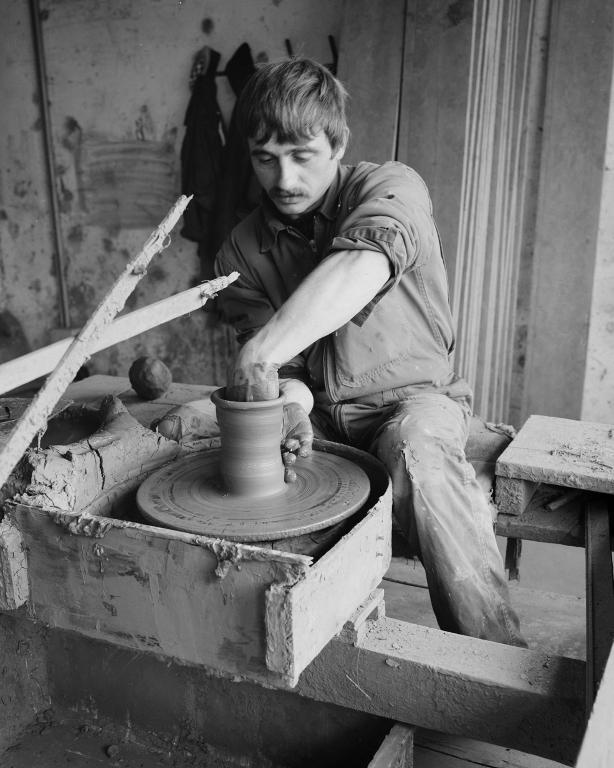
[(250, 456)]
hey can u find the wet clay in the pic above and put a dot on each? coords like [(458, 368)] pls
[(250, 433)]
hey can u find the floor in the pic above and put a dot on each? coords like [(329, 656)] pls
[(72, 742), (552, 619), (69, 741)]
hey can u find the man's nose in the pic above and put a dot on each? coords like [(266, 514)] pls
[(286, 174)]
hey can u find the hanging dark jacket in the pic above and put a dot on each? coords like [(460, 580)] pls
[(201, 155)]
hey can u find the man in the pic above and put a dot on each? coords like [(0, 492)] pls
[(343, 295)]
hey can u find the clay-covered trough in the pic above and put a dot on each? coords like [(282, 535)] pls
[(241, 610)]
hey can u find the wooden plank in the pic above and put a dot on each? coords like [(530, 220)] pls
[(565, 525), (152, 589), (308, 614), (597, 749), (31, 366), (535, 524), (599, 593), (450, 683), (513, 551), (371, 53), (512, 495), (565, 452), (35, 417), (371, 609), (14, 589), (439, 750), (397, 749)]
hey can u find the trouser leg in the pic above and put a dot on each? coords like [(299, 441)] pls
[(441, 508)]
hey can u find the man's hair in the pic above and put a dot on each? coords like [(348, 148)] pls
[(291, 100)]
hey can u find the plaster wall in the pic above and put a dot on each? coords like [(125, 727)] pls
[(568, 208), (118, 77), (28, 287)]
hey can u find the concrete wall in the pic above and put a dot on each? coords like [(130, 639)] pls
[(118, 75)]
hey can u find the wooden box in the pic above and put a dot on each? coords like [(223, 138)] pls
[(243, 611)]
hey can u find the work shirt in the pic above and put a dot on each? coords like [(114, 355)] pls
[(401, 341)]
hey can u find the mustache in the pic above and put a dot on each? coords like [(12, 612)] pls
[(277, 192)]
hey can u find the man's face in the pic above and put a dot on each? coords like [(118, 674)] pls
[(295, 176)]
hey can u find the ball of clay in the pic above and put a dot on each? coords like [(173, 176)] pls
[(149, 377)]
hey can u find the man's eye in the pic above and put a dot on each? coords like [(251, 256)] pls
[(264, 160), (302, 159)]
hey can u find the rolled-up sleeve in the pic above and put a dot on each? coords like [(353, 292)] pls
[(390, 213)]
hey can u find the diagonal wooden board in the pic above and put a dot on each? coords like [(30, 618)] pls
[(566, 452)]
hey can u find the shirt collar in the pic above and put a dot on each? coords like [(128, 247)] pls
[(272, 223)]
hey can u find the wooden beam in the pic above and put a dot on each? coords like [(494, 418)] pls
[(397, 749), (512, 495), (598, 745), (599, 594), (565, 452), (26, 368), (14, 589), (536, 523), (513, 697), (35, 417)]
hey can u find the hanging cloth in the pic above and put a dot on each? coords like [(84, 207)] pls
[(239, 191), (201, 156)]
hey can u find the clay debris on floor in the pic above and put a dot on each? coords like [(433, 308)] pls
[(69, 741)]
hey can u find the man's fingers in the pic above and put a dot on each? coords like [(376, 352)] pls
[(253, 382), (288, 458), (289, 475), (305, 449)]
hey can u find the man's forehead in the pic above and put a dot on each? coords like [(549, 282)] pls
[(318, 141)]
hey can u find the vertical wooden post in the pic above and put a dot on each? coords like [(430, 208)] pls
[(599, 593), (14, 589)]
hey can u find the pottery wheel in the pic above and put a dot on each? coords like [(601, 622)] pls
[(188, 495)]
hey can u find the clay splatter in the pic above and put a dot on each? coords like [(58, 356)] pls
[(144, 126), (75, 234), (82, 300)]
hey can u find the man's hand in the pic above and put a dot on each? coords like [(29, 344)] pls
[(249, 381), (297, 438)]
